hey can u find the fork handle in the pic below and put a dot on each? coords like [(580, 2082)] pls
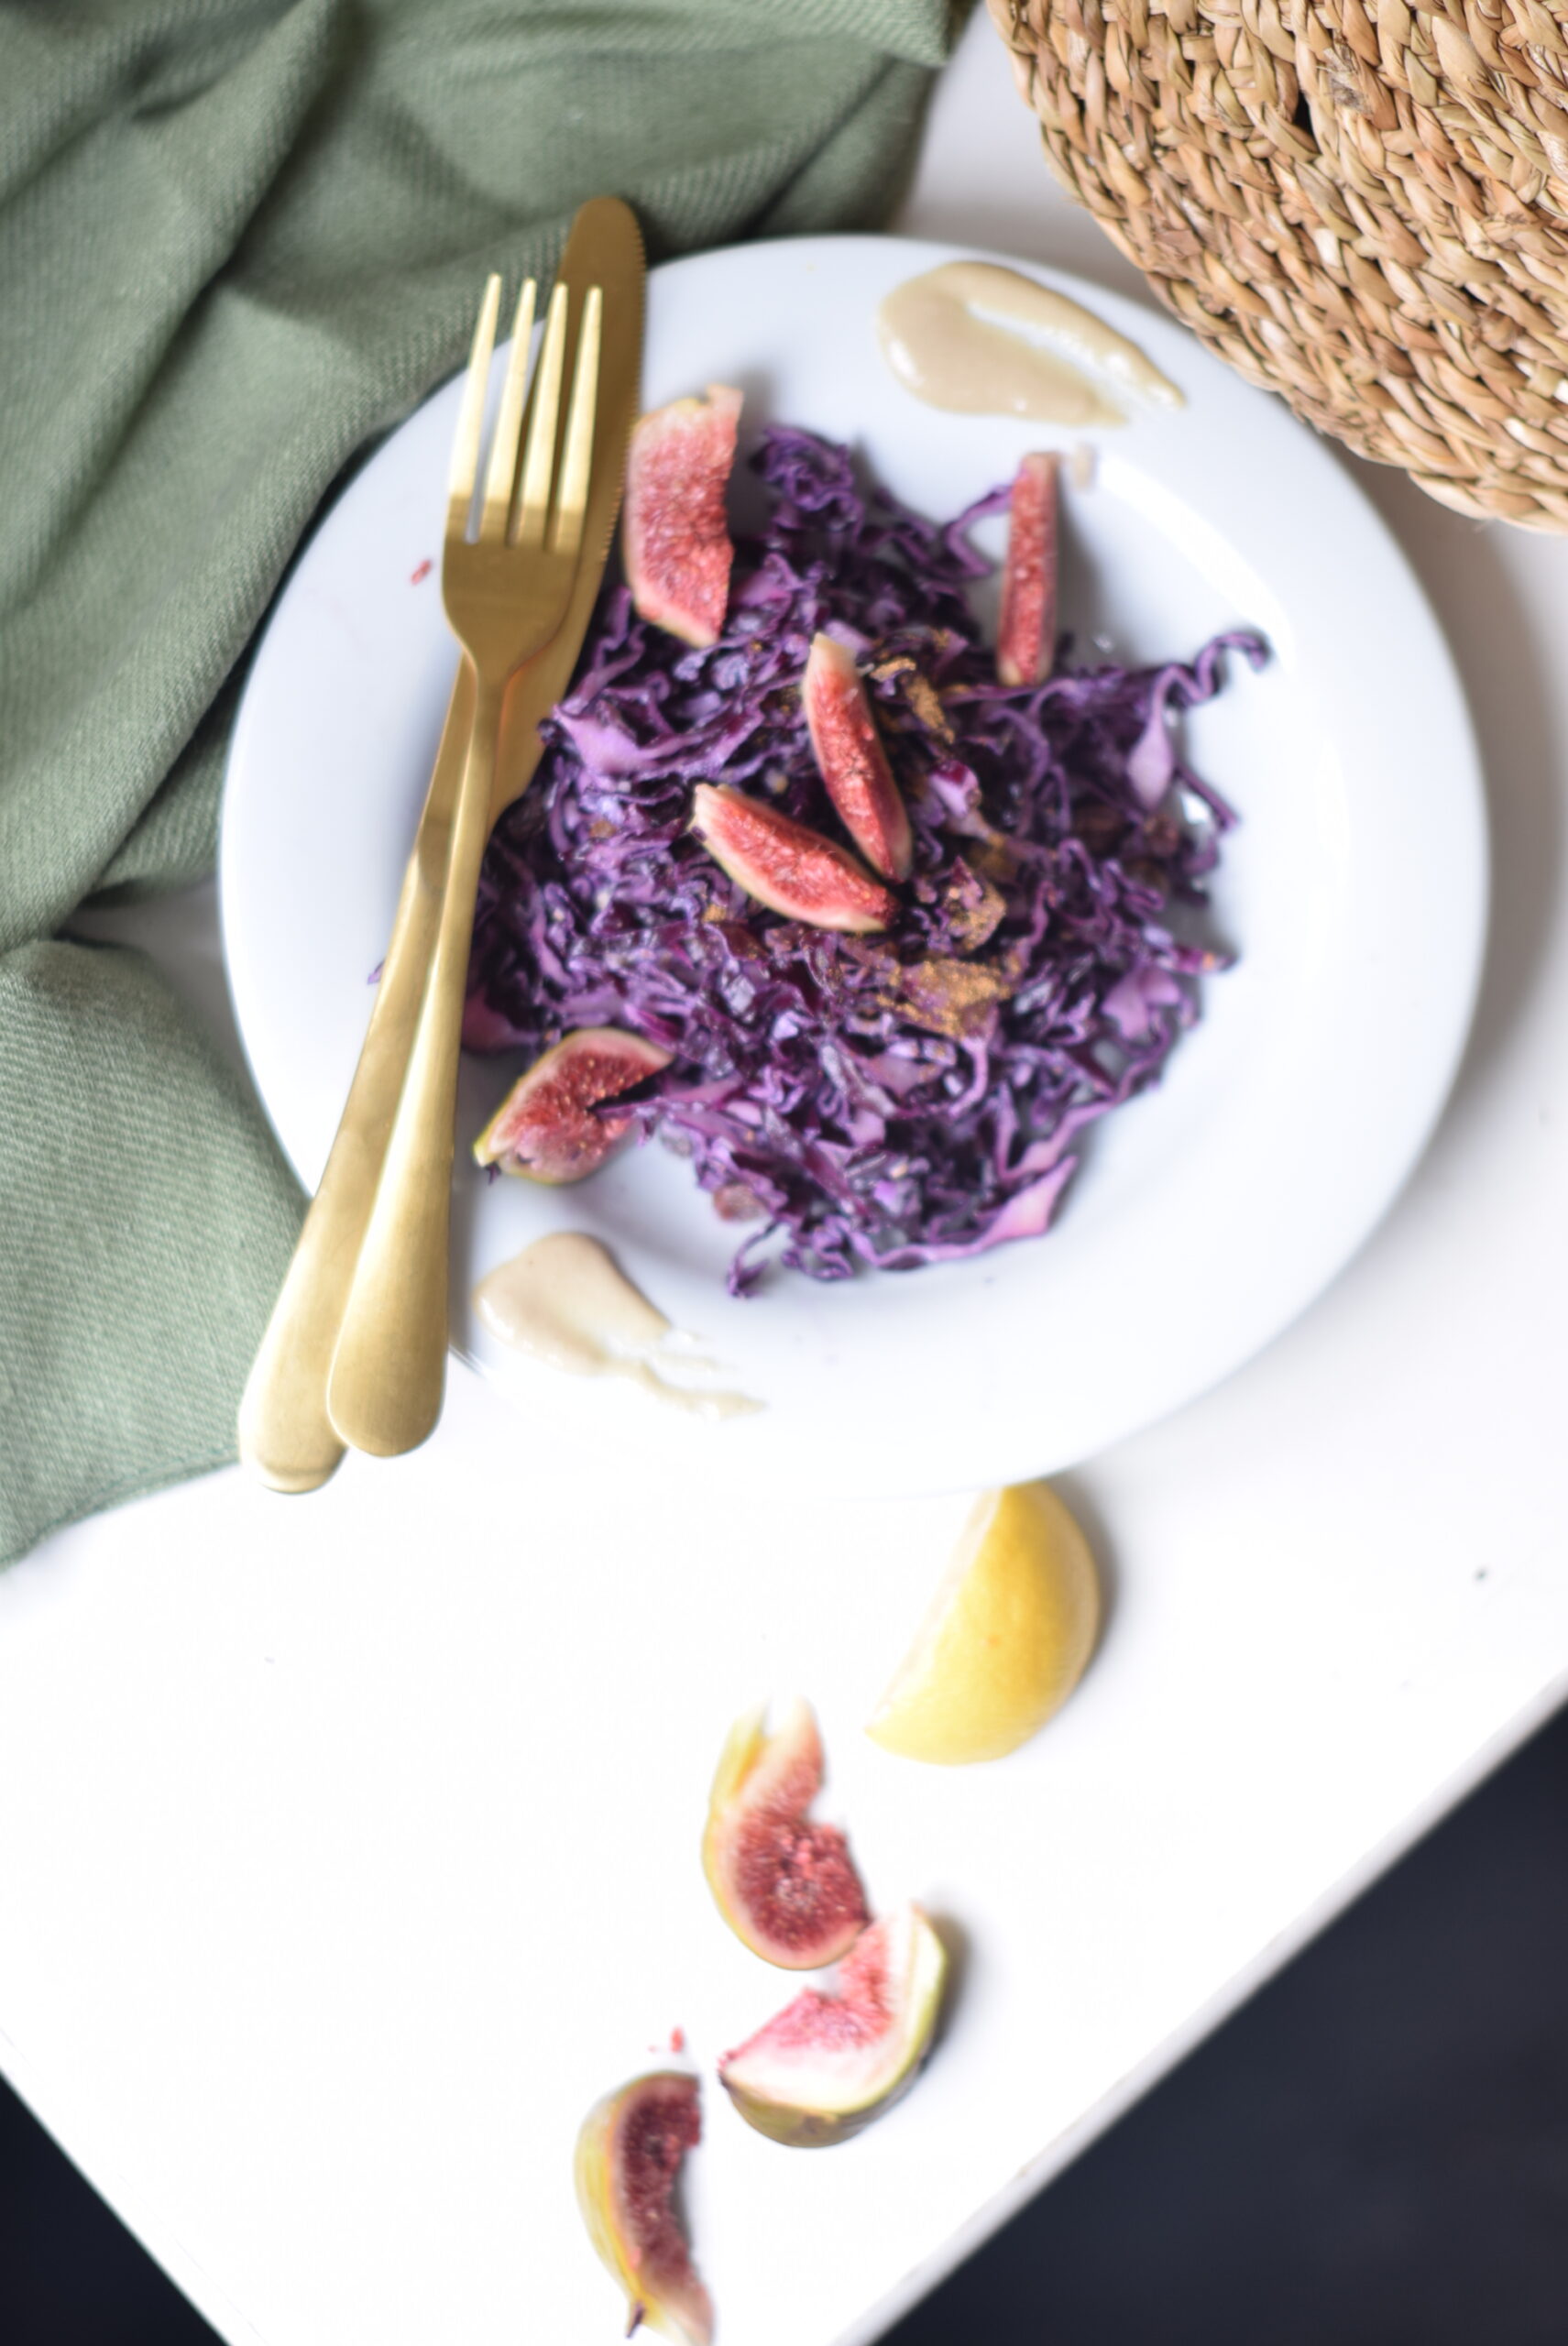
[(285, 1434), (390, 1368)]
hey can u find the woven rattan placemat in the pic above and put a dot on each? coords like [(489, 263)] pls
[(1361, 204)]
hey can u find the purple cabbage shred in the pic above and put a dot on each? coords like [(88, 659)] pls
[(891, 1100)]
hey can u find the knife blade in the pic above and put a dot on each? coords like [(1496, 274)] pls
[(286, 1436)]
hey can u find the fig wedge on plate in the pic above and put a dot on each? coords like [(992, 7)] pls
[(1027, 633), (546, 1128), (785, 865), (851, 760), (630, 2150), (675, 534), (785, 1885), (829, 2064)]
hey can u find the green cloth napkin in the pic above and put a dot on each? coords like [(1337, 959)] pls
[(239, 239)]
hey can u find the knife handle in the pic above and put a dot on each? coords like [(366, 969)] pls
[(388, 1372), (286, 1436)]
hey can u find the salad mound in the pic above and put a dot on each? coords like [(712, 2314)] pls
[(892, 1099)]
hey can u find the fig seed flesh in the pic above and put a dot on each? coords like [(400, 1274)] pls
[(784, 865), (675, 534), (829, 2063), (546, 1127), (787, 1885), (1027, 633), (630, 2150), (853, 761)]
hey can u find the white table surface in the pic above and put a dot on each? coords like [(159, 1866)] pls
[(328, 1899)]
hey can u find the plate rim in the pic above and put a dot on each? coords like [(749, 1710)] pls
[(1469, 921)]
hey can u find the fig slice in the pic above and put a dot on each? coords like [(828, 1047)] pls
[(784, 865), (785, 1885), (545, 1127), (629, 2149), (851, 760), (1027, 633), (676, 533), (829, 2064)]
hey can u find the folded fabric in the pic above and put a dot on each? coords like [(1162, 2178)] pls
[(239, 239)]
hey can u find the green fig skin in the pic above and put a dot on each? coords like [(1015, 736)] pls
[(818, 2129), (812, 2110)]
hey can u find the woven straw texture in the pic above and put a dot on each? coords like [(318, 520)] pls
[(1360, 204)]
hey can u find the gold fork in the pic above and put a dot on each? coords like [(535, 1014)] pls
[(505, 593)]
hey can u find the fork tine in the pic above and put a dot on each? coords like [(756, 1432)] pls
[(572, 493), (502, 472), (539, 461), (470, 420)]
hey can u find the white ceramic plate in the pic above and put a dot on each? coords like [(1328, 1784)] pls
[(1205, 1216)]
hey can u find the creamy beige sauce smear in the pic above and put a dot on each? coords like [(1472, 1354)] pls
[(565, 1302), (980, 340)]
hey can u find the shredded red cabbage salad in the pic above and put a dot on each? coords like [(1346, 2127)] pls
[(893, 1100)]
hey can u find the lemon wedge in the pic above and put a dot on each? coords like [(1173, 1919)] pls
[(1006, 1639)]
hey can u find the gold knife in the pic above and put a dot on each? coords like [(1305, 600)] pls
[(286, 1436)]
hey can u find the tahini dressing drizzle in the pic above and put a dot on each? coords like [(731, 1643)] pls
[(981, 340), (565, 1302)]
